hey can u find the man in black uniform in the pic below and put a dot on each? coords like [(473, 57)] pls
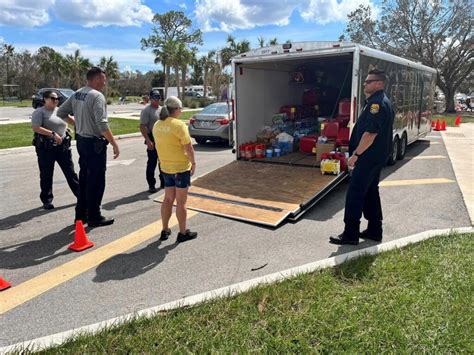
[(369, 147)]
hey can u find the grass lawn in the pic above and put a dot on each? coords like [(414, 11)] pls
[(23, 103), (414, 300), (451, 117), (20, 134)]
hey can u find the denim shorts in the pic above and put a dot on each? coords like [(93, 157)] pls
[(179, 180)]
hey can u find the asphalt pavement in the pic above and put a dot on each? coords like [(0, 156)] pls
[(418, 194)]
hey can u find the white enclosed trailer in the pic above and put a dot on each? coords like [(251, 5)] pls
[(268, 191)]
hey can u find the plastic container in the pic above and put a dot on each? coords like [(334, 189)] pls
[(260, 151), (249, 151), (269, 153), (277, 152)]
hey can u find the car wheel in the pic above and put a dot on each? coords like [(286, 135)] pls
[(403, 147), (392, 159), (200, 140)]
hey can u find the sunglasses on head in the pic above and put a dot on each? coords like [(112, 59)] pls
[(53, 98)]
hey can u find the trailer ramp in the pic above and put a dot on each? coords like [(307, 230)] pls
[(257, 192)]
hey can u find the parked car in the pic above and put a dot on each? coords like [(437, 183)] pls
[(192, 94), (213, 123), (63, 95)]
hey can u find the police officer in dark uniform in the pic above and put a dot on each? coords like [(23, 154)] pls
[(369, 147), (53, 144)]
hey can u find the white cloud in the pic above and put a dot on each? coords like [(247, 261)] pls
[(26, 13), (326, 11), (91, 13), (227, 16), (2, 40), (183, 6), (72, 46)]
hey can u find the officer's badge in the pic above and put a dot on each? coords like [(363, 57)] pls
[(374, 108)]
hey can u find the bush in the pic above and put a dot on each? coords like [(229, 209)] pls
[(194, 104), (109, 101)]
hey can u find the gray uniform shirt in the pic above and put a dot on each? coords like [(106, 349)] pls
[(90, 111), (149, 116), (48, 119)]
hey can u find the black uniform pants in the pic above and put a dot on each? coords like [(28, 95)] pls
[(363, 197), (46, 159), (92, 164), (151, 167)]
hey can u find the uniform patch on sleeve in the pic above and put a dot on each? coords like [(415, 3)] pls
[(374, 108)]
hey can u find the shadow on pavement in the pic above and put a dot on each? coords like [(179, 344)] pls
[(211, 146), (144, 195), (126, 266), (36, 252), (15, 220)]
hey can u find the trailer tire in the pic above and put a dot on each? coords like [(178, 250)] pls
[(402, 147), (392, 158)]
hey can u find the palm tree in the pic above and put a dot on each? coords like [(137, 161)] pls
[(233, 48), (110, 66), (9, 50), (261, 42), (273, 42), (77, 66), (207, 62)]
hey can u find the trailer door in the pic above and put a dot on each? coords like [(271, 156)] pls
[(260, 193)]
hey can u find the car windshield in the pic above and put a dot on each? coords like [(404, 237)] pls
[(216, 109), (66, 92)]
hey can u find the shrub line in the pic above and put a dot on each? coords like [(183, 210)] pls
[(232, 290)]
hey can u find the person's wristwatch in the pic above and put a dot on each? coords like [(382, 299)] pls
[(52, 133), (357, 155)]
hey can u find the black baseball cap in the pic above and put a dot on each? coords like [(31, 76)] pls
[(154, 95)]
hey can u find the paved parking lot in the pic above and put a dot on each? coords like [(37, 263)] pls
[(130, 270)]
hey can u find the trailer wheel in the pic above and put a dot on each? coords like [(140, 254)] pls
[(403, 147), (392, 159)]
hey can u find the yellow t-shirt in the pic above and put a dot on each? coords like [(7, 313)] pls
[(170, 137)]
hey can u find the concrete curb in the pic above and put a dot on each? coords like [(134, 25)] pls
[(59, 338)]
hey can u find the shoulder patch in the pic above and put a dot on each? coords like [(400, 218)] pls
[(374, 108)]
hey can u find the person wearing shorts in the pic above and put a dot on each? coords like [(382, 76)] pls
[(177, 163)]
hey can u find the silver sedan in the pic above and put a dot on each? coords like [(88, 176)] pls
[(213, 123)]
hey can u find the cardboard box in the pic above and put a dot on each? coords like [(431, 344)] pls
[(324, 148)]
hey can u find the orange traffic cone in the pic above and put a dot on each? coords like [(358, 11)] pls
[(437, 126), (443, 126), (433, 124), (457, 122), (80, 239), (4, 284)]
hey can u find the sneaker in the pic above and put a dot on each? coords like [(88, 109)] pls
[(152, 189), (188, 235), (48, 206), (103, 221), (165, 234)]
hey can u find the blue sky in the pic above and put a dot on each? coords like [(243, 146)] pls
[(114, 27)]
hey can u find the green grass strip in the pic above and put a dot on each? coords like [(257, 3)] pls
[(20, 134), (413, 300)]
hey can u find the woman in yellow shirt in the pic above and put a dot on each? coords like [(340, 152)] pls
[(177, 163)]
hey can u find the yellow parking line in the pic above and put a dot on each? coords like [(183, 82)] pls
[(30, 289), (387, 183), (422, 157)]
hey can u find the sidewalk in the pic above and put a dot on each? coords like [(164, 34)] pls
[(459, 143)]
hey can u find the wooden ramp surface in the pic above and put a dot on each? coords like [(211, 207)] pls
[(256, 192)]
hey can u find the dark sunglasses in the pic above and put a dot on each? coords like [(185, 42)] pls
[(367, 82), (53, 98)]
